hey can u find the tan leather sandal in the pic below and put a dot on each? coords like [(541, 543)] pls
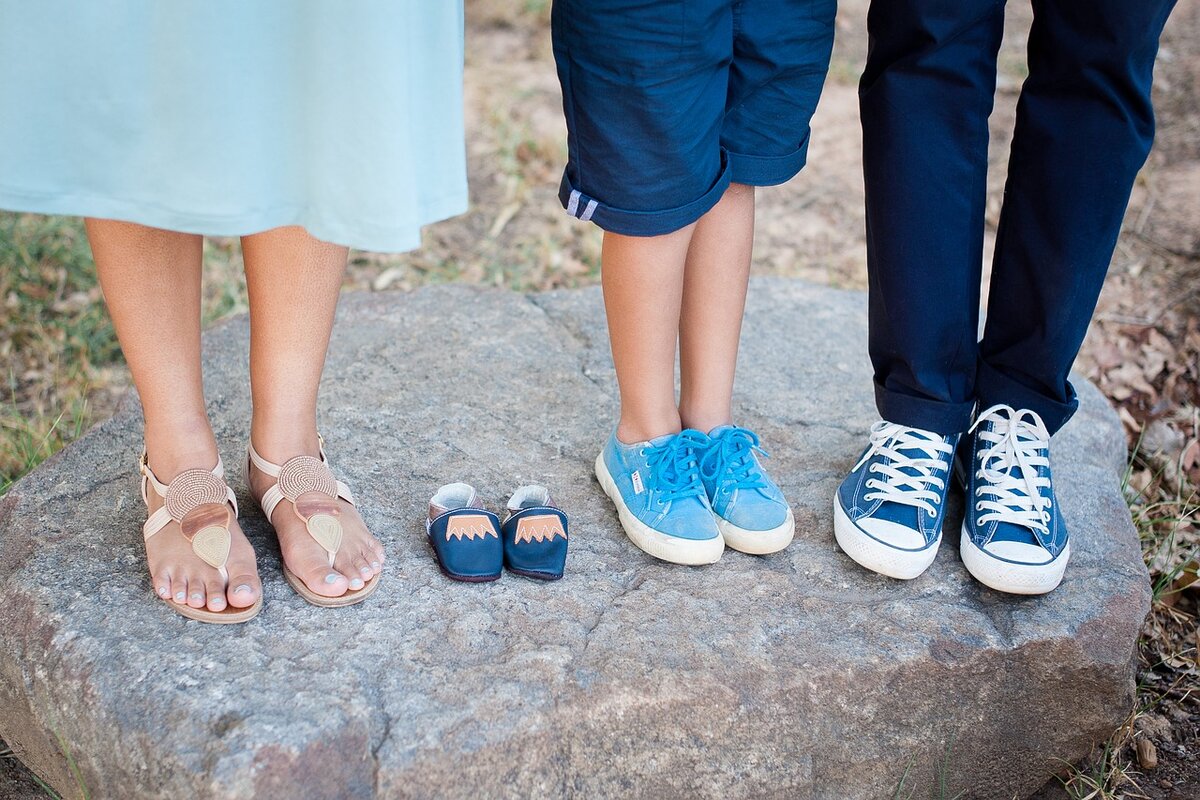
[(313, 491), (204, 506)]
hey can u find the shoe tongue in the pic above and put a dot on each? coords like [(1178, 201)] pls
[(910, 452), (719, 430), (659, 441), (1010, 531)]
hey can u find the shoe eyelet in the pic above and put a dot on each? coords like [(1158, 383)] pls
[(932, 513), (979, 506)]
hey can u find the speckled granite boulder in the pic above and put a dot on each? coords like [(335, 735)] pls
[(793, 676)]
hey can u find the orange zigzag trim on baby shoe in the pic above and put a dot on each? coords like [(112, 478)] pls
[(541, 528), (470, 526)]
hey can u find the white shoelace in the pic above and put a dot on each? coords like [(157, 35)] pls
[(1020, 445), (916, 486)]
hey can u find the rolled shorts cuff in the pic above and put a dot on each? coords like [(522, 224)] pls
[(584, 207), (993, 387), (938, 416), (767, 170)]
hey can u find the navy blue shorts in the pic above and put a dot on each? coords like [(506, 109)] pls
[(669, 101)]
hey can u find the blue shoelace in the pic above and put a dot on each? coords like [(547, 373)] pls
[(674, 468), (731, 458)]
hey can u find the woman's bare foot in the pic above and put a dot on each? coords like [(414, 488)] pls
[(360, 556), (177, 573)]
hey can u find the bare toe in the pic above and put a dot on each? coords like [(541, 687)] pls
[(179, 589), (319, 577), (243, 587), (162, 585), (215, 590), (364, 567), (196, 595), (243, 590)]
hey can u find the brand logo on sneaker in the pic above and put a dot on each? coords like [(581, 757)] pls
[(638, 488)]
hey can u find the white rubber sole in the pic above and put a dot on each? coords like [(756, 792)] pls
[(691, 552), (758, 543), (876, 556), (1004, 576)]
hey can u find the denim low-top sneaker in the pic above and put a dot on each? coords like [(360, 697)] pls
[(751, 513), (660, 498), (1013, 536), (887, 514)]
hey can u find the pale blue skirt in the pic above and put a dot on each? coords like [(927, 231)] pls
[(230, 117)]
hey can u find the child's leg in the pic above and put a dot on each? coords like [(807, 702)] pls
[(643, 290), (750, 510), (151, 282), (293, 282), (714, 298)]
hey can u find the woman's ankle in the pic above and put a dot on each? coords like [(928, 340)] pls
[(278, 439), (180, 445)]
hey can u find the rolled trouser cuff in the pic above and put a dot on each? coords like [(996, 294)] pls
[(767, 170), (583, 206), (993, 387), (938, 416)]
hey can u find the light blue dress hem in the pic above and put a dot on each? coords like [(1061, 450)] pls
[(373, 237)]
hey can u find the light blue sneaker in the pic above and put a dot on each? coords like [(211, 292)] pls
[(1013, 537), (887, 514), (751, 513), (660, 498)]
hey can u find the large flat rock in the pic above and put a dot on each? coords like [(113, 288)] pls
[(797, 675)]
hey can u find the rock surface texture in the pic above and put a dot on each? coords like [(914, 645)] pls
[(797, 675)]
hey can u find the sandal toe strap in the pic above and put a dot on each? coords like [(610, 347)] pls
[(299, 476), (304, 481), (188, 490), (199, 500)]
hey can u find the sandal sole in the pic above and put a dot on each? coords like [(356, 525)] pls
[(227, 617), (350, 598)]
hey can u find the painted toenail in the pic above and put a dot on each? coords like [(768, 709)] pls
[(356, 583), (197, 597), (365, 570), (331, 577), (243, 589), (180, 596), (375, 564)]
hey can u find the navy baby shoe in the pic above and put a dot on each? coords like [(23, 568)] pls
[(465, 537), (535, 535)]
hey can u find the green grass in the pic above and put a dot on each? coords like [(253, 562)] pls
[(57, 339)]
